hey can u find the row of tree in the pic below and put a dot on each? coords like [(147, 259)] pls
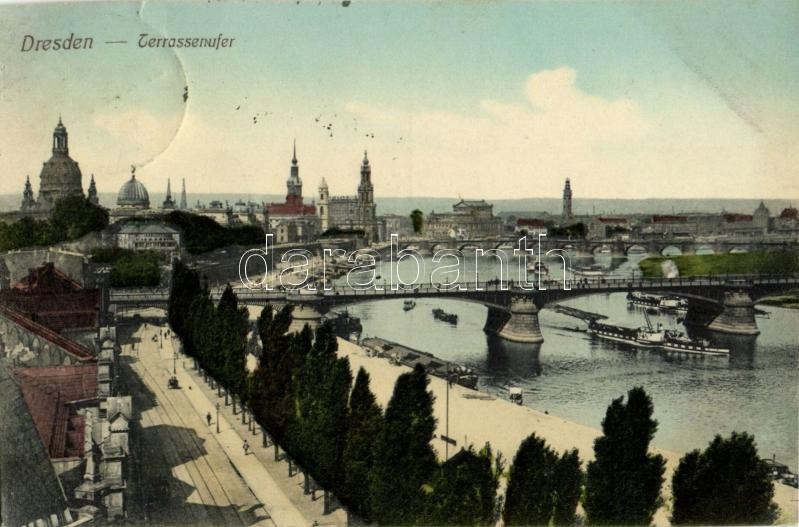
[(70, 219), (382, 466)]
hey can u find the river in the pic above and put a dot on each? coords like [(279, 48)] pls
[(576, 376)]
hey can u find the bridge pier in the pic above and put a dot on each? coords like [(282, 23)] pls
[(522, 325), (738, 317), (304, 314)]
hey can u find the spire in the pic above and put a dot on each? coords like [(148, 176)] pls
[(183, 202), (365, 158), (168, 188), (294, 156), (92, 192)]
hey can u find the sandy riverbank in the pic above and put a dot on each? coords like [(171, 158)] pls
[(505, 425)]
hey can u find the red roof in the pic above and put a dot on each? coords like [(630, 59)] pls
[(48, 393), (789, 214), (47, 279), (293, 206), (529, 222), (668, 219), (733, 218), (612, 220), (77, 351), (50, 297)]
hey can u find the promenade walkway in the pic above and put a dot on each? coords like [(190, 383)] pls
[(181, 474), (281, 493)]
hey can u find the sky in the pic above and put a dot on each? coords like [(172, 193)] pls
[(451, 99)]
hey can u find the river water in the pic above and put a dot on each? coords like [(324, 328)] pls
[(576, 376)]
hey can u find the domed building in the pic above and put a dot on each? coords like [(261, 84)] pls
[(60, 176), (133, 194)]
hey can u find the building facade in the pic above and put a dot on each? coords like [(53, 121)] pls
[(469, 219), (149, 236), (357, 212)]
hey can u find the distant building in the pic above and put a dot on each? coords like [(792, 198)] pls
[(761, 218), (531, 226), (600, 227), (396, 224), (169, 203), (149, 236), (567, 201), (357, 212), (292, 221), (92, 193), (133, 194), (184, 203), (788, 221), (469, 219), (60, 176)]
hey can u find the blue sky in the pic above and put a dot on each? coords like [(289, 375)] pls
[(495, 100)]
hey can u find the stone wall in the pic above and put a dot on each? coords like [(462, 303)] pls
[(16, 264)]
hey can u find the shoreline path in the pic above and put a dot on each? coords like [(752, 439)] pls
[(504, 424)]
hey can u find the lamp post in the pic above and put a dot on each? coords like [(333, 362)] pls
[(217, 418)]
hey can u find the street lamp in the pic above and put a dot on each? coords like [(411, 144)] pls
[(217, 418)]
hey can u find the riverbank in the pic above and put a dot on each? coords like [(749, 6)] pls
[(477, 420), (710, 264)]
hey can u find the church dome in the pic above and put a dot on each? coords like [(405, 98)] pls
[(60, 176), (133, 194)]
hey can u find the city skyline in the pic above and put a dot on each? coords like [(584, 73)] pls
[(627, 101)]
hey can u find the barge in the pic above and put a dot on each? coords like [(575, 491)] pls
[(440, 314), (399, 354), (665, 303)]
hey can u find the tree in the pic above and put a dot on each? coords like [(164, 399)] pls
[(623, 481), (567, 485), (75, 216), (726, 484), (464, 491), (234, 324), (417, 220), (404, 461), (185, 287), (365, 421), (529, 499)]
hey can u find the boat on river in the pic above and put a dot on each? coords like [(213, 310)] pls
[(664, 303), (440, 314), (656, 337), (590, 270), (408, 305)]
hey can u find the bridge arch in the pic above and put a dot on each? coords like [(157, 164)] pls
[(635, 248), (671, 250)]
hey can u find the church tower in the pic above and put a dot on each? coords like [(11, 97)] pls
[(294, 183), (169, 203), (567, 201), (183, 201), (27, 196), (365, 189), (324, 205), (92, 193)]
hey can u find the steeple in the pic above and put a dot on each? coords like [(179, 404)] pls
[(27, 196), (169, 203), (294, 183), (92, 192), (183, 202)]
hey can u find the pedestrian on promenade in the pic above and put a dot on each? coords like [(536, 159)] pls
[(208, 418), (246, 447)]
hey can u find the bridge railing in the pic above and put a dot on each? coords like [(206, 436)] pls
[(150, 295)]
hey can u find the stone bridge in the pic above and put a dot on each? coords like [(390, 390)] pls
[(722, 303), (653, 247)]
